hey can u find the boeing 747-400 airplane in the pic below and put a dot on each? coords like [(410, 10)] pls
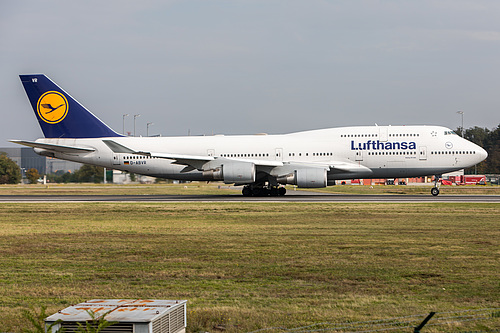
[(260, 163)]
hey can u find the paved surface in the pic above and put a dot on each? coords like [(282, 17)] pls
[(299, 196)]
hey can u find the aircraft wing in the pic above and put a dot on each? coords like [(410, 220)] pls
[(333, 166), (55, 148), (342, 166), (198, 161), (194, 159), (191, 161)]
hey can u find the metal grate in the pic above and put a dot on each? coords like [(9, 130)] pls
[(171, 322), (162, 324), (71, 327), (177, 319)]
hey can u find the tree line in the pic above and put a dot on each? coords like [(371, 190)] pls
[(10, 173), (490, 141), (86, 174)]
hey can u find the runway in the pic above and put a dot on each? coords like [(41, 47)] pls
[(301, 196)]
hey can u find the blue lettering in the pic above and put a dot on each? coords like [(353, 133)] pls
[(377, 145)]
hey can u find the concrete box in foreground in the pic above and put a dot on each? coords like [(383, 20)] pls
[(131, 316)]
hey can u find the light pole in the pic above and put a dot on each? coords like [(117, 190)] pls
[(147, 128), (123, 129), (462, 114), (135, 116)]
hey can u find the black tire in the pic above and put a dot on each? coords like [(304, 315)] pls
[(282, 191), (260, 192), (247, 192), (435, 191)]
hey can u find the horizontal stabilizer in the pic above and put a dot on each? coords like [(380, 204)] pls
[(54, 147)]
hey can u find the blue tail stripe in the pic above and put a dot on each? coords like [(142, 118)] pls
[(59, 114)]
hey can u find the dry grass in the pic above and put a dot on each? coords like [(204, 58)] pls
[(201, 188), (194, 188), (411, 189), (248, 265)]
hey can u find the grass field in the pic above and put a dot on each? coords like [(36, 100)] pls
[(202, 188), (247, 266), (194, 188)]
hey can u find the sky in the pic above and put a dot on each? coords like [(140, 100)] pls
[(205, 67)]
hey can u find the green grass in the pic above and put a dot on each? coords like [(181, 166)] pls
[(251, 265), (202, 188), (194, 188), (411, 189)]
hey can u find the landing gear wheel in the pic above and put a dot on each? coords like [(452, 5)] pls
[(281, 191), (260, 192), (263, 191), (247, 192), (435, 189)]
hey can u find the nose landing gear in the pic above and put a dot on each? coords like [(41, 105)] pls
[(435, 189)]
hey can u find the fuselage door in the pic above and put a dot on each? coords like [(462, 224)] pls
[(117, 159), (422, 154), (279, 154), (359, 155), (383, 133), (210, 152)]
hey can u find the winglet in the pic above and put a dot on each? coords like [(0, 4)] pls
[(59, 114)]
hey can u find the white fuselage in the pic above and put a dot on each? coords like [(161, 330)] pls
[(380, 151)]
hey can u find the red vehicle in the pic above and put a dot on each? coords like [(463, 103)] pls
[(470, 180), (446, 182)]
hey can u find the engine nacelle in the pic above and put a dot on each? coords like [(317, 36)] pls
[(232, 173), (238, 173), (213, 174), (306, 178)]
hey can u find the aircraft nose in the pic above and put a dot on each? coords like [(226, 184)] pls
[(482, 154)]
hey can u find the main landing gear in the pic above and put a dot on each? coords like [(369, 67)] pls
[(261, 191), (435, 189)]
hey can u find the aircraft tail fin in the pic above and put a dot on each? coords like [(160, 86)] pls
[(59, 114)]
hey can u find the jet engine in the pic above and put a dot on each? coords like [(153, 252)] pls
[(232, 173), (306, 178)]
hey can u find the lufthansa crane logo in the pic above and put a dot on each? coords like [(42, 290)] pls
[(52, 107)]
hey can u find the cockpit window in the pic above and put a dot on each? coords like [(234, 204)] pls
[(449, 133)]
